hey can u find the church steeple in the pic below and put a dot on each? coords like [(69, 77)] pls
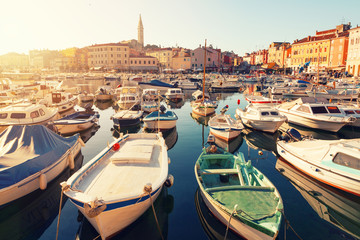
[(140, 32)]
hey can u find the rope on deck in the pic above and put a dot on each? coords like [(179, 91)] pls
[(228, 224)]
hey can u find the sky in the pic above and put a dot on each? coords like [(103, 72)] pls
[(231, 25)]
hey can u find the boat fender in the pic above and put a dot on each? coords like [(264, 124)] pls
[(169, 161), (260, 153), (42, 181), (169, 181), (94, 208), (71, 161), (116, 147)]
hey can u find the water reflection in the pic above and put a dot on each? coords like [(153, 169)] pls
[(87, 134), (201, 119), (213, 228), (334, 206), (29, 216), (230, 146), (317, 134), (144, 227), (103, 105), (174, 105), (170, 136), (259, 140)]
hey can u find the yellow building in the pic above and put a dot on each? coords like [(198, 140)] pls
[(164, 56), (318, 49), (277, 53), (181, 60), (109, 56)]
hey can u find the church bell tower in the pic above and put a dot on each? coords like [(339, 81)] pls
[(140, 33)]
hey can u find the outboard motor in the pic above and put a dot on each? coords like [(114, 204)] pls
[(224, 109), (162, 108), (291, 135)]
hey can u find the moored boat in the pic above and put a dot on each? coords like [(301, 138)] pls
[(263, 118), (333, 162), (76, 122), (119, 184), (160, 119), (239, 195), (31, 157), (26, 114), (224, 127), (315, 113)]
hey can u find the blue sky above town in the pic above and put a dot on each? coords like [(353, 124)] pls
[(231, 25)]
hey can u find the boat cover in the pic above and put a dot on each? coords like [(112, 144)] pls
[(27, 149), (162, 116), (157, 83)]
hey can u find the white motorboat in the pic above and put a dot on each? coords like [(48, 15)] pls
[(64, 101), (261, 117), (333, 162), (336, 207), (31, 157), (26, 114), (262, 100), (129, 97), (174, 94), (224, 127), (119, 184), (315, 113), (150, 100)]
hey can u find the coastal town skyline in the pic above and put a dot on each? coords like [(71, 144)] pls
[(227, 25)]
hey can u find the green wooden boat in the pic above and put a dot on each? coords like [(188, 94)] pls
[(232, 187)]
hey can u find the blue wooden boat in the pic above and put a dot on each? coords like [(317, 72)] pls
[(161, 119)]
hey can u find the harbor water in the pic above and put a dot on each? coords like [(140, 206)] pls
[(313, 210)]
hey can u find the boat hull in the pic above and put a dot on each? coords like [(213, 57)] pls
[(126, 122), (320, 173), (113, 221), (73, 128), (265, 126), (225, 134), (332, 126), (103, 97), (162, 124), (235, 225)]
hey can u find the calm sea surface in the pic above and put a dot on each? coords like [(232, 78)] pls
[(313, 210)]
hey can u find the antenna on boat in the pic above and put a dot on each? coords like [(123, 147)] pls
[(203, 98)]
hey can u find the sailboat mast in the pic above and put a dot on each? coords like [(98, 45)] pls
[(203, 97)]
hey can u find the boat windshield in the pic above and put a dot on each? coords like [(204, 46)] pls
[(347, 160), (333, 109), (319, 109)]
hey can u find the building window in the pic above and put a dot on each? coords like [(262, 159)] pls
[(131, 62), (153, 62), (135, 62), (148, 62)]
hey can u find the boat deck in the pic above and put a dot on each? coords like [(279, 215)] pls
[(125, 172)]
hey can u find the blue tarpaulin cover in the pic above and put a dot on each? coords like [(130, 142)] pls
[(157, 83), (27, 149)]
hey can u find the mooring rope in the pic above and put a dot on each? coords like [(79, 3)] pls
[(228, 224), (157, 222), (58, 221), (287, 224)]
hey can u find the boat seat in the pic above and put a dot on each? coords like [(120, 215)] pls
[(239, 187), (133, 154), (219, 171)]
